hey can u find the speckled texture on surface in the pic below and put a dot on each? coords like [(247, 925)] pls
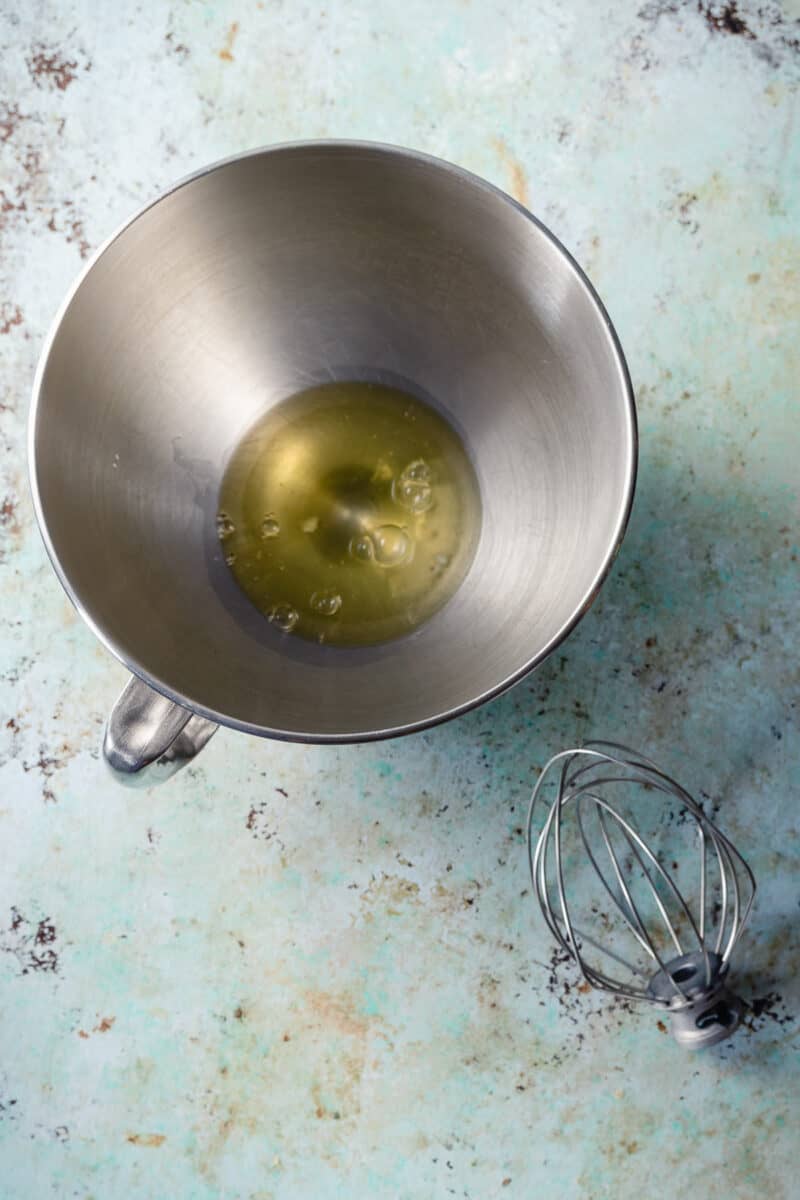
[(316, 972)]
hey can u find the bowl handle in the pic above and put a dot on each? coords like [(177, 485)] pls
[(148, 737)]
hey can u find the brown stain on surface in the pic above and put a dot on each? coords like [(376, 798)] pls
[(179, 49), (339, 1013), (103, 1026), (10, 315), (726, 19), (9, 520), (450, 901), (72, 228), (14, 199), (146, 1139), (48, 764), (32, 944), (518, 180), (10, 119), (389, 895), (27, 199), (50, 68), (336, 1095), (336, 1018), (226, 53)]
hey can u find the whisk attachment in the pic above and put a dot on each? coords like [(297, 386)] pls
[(664, 923)]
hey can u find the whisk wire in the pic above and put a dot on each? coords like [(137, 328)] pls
[(701, 832), (741, 911), (631, 917), (723, 893), (635, 842), (568, 937)]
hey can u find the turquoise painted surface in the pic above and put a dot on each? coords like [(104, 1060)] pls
[(314, 971)]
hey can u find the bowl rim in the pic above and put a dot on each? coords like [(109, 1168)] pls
[(631, 464)]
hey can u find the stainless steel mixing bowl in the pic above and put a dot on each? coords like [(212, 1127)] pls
[(259, 276)]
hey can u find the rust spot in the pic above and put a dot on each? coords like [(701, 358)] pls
[(286, 1037), (180, 50), (226, 53), (31, 944), (45, 933), (518, 180), (259, 822), (584, 987), (506, 1181), (48, 765), (103, 1026), (8, 516), (48, 68), (77, 234), (73, 229), (10, 315), (238, 1013), (32, 162), (661, 1026), (10, 119), (13, 725), (146, 1139), (726, 19), (8, 206), (685, 203)]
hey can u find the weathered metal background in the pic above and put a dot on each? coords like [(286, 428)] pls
[(317, 972)]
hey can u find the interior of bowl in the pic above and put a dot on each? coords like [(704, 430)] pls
[(291, 267)]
